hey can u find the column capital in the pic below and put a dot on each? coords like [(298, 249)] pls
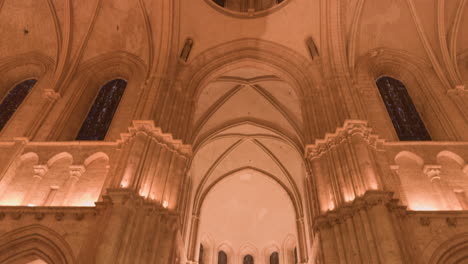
[(40, 170), (76, 171)]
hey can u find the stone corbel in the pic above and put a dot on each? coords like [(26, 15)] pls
[(50, 95), (465, 170), (459, 90), (432, 172)]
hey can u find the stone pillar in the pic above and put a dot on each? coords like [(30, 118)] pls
[(39, 172), (362, 232), (119, 205), (384, 231), (76, 171)]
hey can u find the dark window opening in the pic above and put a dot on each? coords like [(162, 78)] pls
[(13, 100), (100, 116), (274, 258), (295, 256), (222, 257), (200, 256), (405, 118), (221, 3), (248, 259)]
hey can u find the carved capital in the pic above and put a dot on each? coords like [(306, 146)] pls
[(76, 171), (40, 171), (425, 221), (451, 221)]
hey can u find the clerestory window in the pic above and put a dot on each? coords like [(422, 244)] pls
[(405, 118), (13, 100), (100, 116)]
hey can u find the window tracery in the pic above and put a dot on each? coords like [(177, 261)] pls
[(100, 116), (13, 100), (405, 118)]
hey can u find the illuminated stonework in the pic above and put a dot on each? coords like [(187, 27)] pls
[(233, 132)]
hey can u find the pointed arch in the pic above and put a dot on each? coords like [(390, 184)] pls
[(35, 240)]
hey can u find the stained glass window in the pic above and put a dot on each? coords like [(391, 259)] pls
[(400, 107), (222, 257), (100, 116), (248, 259), (13, 100), (274, 258), (200, 255)]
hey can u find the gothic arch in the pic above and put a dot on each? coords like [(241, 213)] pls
[(226, 248), (35, 240), (91, 75), (417, 76), (453, 250), (16, 69)]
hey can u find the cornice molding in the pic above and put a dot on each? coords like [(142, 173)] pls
[(365, 202), (147, 127), (350, 128)]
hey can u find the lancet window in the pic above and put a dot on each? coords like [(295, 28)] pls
[(222, 257), (248, 259), (274, 258), (13, 100), (100, 116), (405, 118)]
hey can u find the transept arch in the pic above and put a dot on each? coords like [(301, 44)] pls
[(247, 118)]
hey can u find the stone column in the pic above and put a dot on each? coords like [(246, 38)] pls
[(76, 171), (119, 205), (39, 172), (384, 231)]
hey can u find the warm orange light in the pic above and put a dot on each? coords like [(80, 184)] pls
[(165, 204)]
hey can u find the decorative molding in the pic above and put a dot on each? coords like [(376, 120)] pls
[(365, 202), (349, 129), (148, 127), (459, 90)]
